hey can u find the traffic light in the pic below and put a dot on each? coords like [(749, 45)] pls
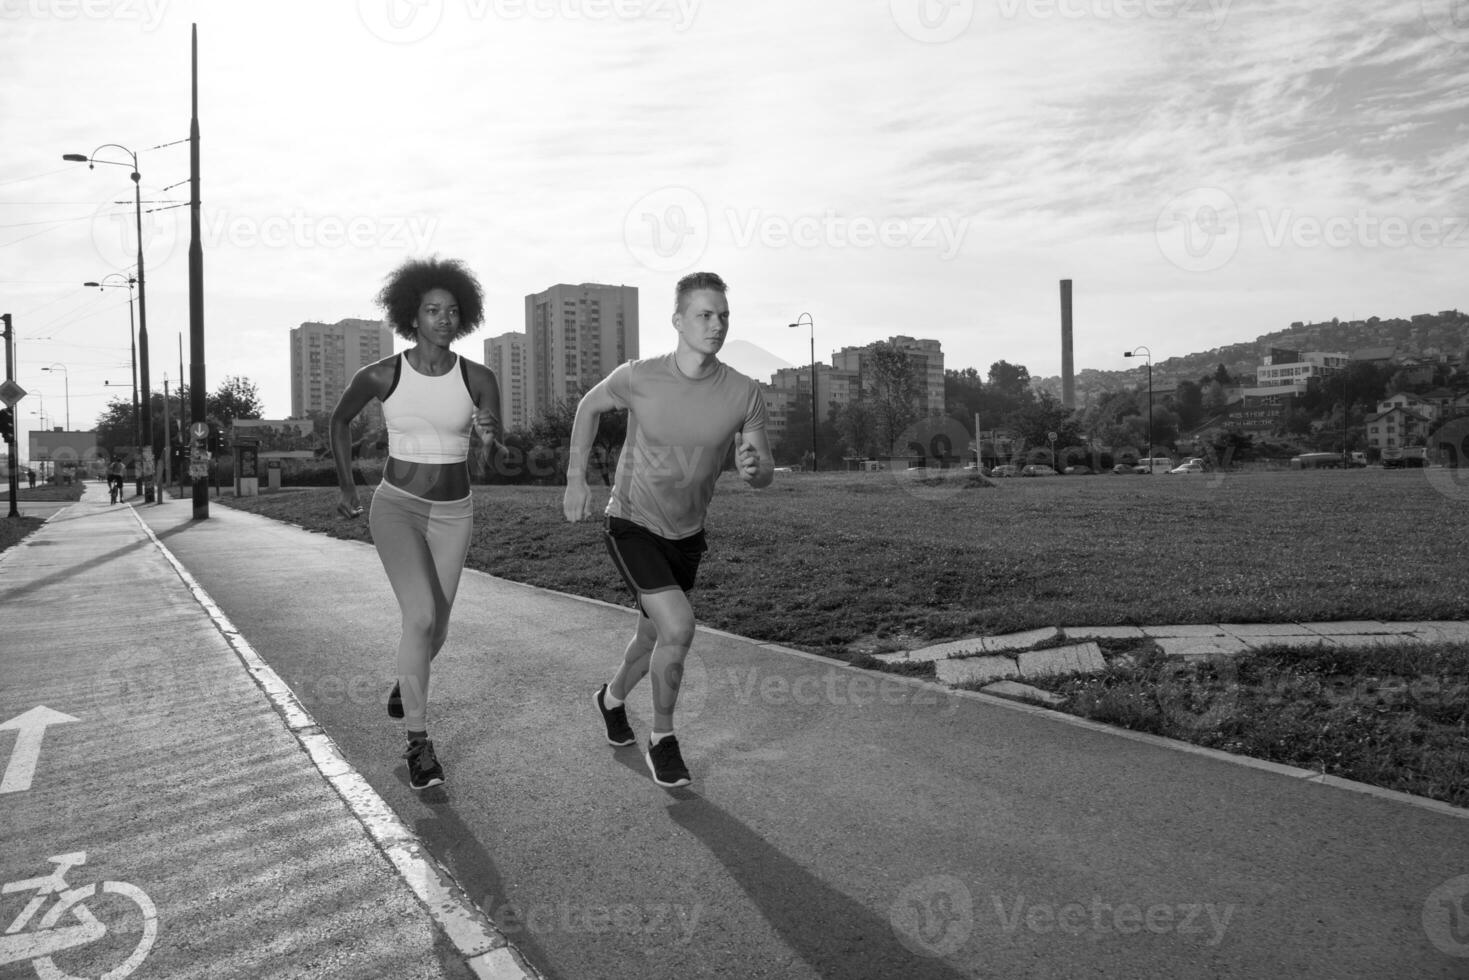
[(214, 440), (7, 425)]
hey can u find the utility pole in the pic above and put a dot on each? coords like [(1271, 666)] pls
[(196, 286), (10, 432)]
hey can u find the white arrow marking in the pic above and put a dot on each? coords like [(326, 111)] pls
[(29, 727)]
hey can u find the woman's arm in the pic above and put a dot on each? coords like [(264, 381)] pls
[(368, 383)]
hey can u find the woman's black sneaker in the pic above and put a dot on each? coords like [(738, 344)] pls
[(666, 764), (423, 766), (619, 732), (395, 702)]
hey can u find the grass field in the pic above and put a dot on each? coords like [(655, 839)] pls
[(850, 564), (839, 562)]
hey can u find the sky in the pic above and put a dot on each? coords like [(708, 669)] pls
[(1204, 171)]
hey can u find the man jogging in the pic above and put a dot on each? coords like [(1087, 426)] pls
[(685, 411)]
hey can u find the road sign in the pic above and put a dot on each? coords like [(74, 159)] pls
[(198, 471), (10, 393), (199, 430)]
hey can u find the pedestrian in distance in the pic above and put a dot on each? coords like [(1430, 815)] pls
[(31, 477), (422, 511), (686, 410)]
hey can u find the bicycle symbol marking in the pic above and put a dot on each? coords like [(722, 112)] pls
[(49, 937)]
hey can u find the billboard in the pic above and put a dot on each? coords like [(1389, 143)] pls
[(68, 449)]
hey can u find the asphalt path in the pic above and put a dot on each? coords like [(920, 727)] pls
[(841, 824)]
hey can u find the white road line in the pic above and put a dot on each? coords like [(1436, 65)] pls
[(485, 949)]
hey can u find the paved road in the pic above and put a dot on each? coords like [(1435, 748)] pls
[(841, 824)]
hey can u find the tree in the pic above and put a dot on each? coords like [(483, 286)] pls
[(1008, 390), (115, 426), (235, 398), (894, 391), (796, 442), (857, 429), (551, 430), (1189, 400), (964, 393), (1221, 375), (1034, 423), (1010, 379), (1216, 400), (1296, 422)]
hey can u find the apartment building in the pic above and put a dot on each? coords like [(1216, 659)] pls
[(575, 336), (325, 356), (508, 356)]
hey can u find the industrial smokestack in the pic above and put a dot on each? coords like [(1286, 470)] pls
[(1068, 369)]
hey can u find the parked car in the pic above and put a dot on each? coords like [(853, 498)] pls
[(1127, 469), (1038, 469), (1079, 470), (1192, 466), (1006, 469), (1155, 464)]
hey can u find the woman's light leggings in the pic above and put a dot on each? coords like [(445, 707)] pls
[(422, 544)]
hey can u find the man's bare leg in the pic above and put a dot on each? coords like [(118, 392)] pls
[(635, 660)]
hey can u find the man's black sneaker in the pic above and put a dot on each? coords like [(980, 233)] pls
[(619, 732), (423, 766), (666, 764), (395, 702)]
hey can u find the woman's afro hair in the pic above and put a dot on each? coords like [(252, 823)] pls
[(405, 286)]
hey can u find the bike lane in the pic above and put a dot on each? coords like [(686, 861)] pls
[(840, 824), (157, 818)]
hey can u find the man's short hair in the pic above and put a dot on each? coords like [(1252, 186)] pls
[(692, 283)]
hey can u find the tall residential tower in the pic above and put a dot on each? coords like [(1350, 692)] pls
[(575, 336), (325, 356)]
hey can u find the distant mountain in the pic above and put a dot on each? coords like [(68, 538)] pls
[(1423, 335), (752, 360)]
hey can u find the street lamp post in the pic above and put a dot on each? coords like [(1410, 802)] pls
[(147, 418), (805, 319), (66, 387), (133, 348), (1149, 355)]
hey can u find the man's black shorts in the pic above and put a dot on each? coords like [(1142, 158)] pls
[(650, 562)]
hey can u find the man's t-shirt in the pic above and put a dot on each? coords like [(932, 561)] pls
[(678, 432)]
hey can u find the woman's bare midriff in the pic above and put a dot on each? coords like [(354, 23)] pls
[(431, 481)]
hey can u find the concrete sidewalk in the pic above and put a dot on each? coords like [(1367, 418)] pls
[(156, 762), (842, 824)]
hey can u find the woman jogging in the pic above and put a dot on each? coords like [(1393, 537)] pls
[(422, 511)]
